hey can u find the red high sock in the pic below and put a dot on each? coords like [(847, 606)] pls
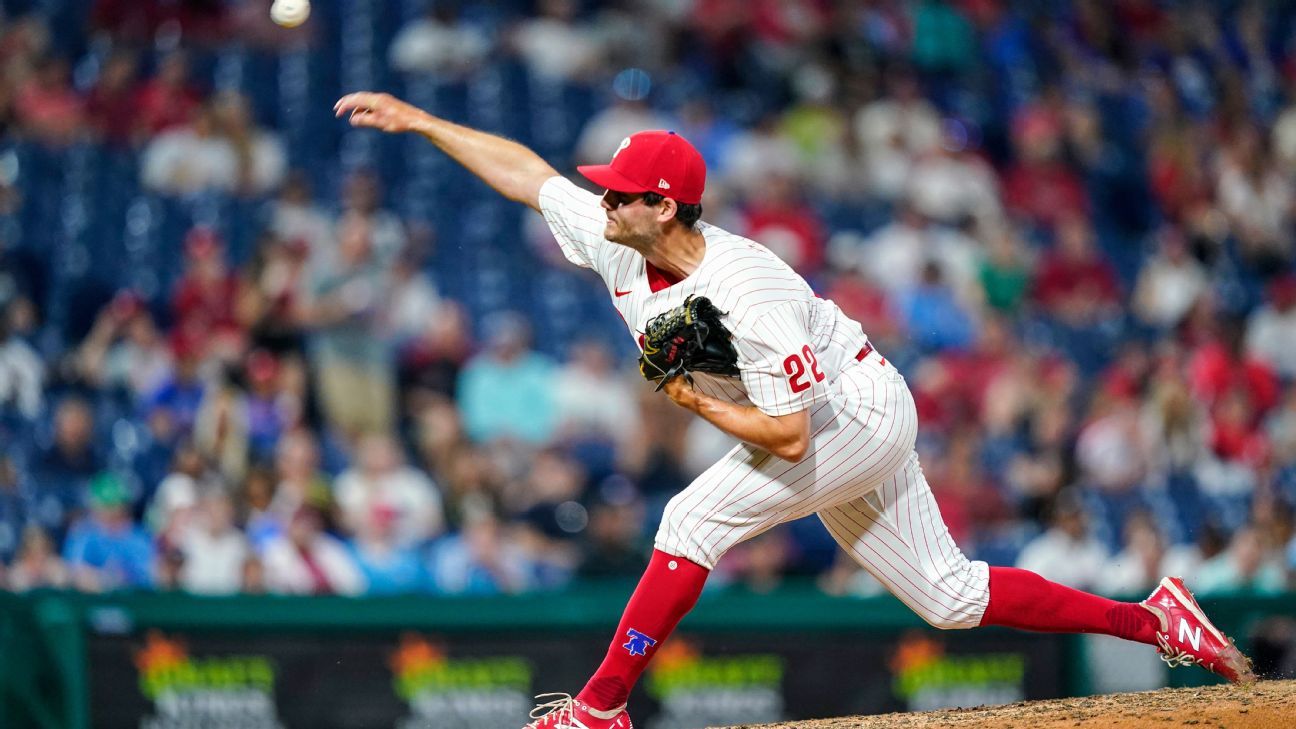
[(668, 589), (1024, 600)]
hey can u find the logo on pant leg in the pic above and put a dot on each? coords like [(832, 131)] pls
[(639, 643)]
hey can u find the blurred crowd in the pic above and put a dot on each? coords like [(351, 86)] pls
[(1069, 223)]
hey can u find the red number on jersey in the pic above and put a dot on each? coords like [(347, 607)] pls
[(814, 363), (795, 367), (796, 373)]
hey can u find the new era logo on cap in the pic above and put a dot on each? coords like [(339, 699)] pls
[(654, 161)]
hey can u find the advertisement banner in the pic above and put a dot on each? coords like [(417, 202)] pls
[(418, 680)]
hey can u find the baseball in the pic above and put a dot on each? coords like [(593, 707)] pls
[(290, 13)]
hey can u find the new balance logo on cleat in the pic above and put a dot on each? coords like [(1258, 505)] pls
[(1187, 633)]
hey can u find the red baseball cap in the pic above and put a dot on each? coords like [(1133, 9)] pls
[(655, 161)]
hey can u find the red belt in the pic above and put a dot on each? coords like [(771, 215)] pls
[(866, 351)]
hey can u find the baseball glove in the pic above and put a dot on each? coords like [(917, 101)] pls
[(688, 338)]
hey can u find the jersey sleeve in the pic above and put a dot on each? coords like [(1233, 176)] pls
[(576, 219), (778, 365)]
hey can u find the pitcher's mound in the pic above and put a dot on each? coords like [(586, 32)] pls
[(1263, 705)]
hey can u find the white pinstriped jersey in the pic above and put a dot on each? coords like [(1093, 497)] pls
[(791, 344)]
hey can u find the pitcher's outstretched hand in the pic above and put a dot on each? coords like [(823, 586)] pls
[(379, 111)]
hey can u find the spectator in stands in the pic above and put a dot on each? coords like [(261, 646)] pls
[(262, 160), (174, 505), (1137, 568), (273, 407), (480, 559), (1271, 328), (112, 107), (430, 365), (48, 110), (22, 372), (1220, 365), (896, 254), (1066, 552), (1075, 284), (440, 44), (301, 482), (779, 218), (555, 45), (892, 131), (190, 159), (932, 313), (390, 565), (950, 183), (182, 393), (124, 350), (507, 391), (614, 541), (269, 304), (595, 406), (1040, 187), (1256, 197), (759, 565), (38, 564), (206, 294), (1005, 272), (106, 550), (362, 208), (1169, 281), (62, 471), (864, 300), (604, 131), (1109, 450), (307, 561), (296, 218), (221, 428), (352, 359), (757, 154), (414, 301), (13, 508), (381, 480), (214, 548), (254, 502), (168, 100), (968, 500), (1245, 567)]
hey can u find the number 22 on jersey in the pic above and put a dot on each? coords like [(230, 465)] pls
[(798, 366)]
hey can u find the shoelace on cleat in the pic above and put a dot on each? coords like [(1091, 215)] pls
[(1174, 657), (560, 705)]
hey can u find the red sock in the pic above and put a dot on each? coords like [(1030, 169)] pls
[(667, 591), (1024, 600)]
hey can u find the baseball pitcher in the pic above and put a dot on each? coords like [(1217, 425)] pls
[(827, 424)]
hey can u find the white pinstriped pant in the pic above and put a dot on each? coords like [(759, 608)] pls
[(862, 477)]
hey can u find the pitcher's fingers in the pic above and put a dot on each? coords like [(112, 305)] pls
[(357, 100)]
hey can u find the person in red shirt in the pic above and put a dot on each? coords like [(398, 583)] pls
[(168, 99), (206, 294), (1075, 283), (47, 107), (780, 220), (111, 106), (1040, 186)]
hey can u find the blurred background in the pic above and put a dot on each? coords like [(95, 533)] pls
[(247, 349)]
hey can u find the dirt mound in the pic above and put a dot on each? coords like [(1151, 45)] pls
[(1264, 705)]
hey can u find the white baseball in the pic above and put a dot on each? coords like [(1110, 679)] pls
[(290, 13)]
